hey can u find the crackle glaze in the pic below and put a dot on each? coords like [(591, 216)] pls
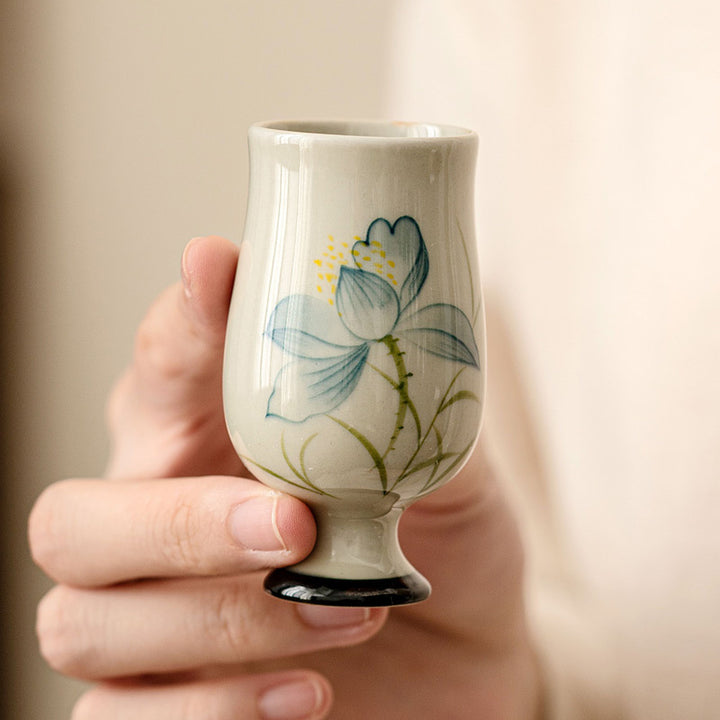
[(354, 372)]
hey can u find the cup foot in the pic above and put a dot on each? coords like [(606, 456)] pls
[(404, 590)]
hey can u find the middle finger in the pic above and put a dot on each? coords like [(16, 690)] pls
[(157, 627)]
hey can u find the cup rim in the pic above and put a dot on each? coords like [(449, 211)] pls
[(344, 130)]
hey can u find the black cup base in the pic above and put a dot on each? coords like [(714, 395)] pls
[(403, 590)]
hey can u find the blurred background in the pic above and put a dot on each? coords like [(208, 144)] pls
[(122, 135)]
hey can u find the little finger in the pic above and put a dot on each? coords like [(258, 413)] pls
[(298, 695)]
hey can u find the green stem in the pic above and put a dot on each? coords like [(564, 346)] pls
[(402, 389), (421, 443), (410, 404)]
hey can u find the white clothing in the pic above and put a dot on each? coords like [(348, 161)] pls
[(599, 232)]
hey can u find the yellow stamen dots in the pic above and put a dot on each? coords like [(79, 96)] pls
[(379, 262), (375, 260), (327, 262)]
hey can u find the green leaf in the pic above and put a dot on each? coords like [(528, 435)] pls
[(461, 395), (371, 449), (302, 455), (300, 474), (460, 457), (312, 488), (294, 470), (435, 460), (439, 443)]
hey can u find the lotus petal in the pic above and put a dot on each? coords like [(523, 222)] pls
[(305, 387), (399, 251), (367, 304), (306, 327), (442, 330)]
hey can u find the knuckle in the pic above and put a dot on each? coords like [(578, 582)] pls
[(225, 619), (180, 536), (61, 640)]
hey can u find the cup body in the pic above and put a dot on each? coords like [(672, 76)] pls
[(354, 370)]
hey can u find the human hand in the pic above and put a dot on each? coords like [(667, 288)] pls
[(159, 597)]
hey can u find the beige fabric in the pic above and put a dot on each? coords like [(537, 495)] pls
[(599, 231)]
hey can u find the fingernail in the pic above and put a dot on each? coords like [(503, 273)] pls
[(325, 618), (185, 268), (293, 701), (253, 524)]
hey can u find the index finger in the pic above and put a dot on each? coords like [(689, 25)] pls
[(165, 414)]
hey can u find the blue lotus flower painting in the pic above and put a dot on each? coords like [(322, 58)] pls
[(367, 296), (331, 343)]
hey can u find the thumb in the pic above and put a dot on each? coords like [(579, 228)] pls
[(168, 405)]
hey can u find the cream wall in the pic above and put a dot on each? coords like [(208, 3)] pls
[(123, 135)]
